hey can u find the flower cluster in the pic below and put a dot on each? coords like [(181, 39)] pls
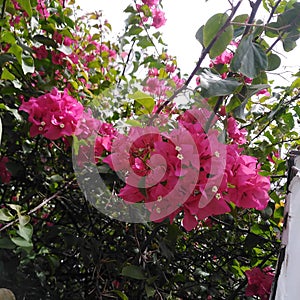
[(105, 133), (259, 282), (186, 170), (157, 86), (53, 115), (157, 15), (237, 135)]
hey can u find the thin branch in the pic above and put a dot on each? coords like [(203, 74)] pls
[(255, 7), (212, 115), (273, 10), (43, 203), (204, 53), (127, 60), (148, 35)]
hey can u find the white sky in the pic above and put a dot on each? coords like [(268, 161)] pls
[(183, 21)]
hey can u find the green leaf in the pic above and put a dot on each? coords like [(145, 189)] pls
[(143, 99), (199, 35), (144, 42), (288, 120), (120, 294), (130, 9), (134, 30), (134, 272), (134, 123), (24, 220), (211, 29), (254, 88), (6, 75), (8, 37), (45, 40), (5, 58), (15, 207), (289, 42), (233, 103), (90, 47), (274, 62), (213, 85), (17, 51), (279, 212), (249, 58), (19, 241), (6, 243), (27, 64), (0, 131), (5, 215), (240, 19), (150, 291), (26, 5), (25, 232)]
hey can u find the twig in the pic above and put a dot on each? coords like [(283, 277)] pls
[(273, 10), (44, 202), (255, 7), (204, 52), (127, 60)]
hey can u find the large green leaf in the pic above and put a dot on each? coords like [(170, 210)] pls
[(213, 85), (249, 59), (17, 51), (134, 272), (27, 64), (144, 99), (45, 40), (26, 5), (25, 232), (6, 243), (199, 35), (274, 62), (5, 215), (21, 242), (211, 29), (6, 75)]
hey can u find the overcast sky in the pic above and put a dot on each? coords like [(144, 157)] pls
[(183, 21)]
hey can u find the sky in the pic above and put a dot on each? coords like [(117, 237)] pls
[(183, 21)]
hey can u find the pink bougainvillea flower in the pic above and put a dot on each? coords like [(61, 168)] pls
[(151, 3), (68, 41), (237, 135), (42, 9), (170, 68), (178, 81), (264, 92), (57, 57), (248, 189), (40, 52), (158, 18), (187, 170), (155, 86), (87, 125), (5, 175), (224, 58), (53, 115), (259, 282), (153, 72)]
